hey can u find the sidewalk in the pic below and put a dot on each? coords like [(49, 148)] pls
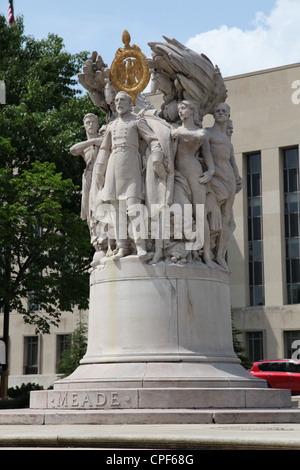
[(202, 429), (269, 430), (153, 437)]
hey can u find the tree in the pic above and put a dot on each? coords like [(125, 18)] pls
[(76, 350), (44, 113), (39, 72), (45, 245), (239, 349), (45, 249)]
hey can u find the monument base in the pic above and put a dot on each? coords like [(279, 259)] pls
[(154, 399), (160, 338), (155, 375)]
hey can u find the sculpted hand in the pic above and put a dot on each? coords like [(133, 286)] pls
[(160, 170), (239, 184), (206, 177)]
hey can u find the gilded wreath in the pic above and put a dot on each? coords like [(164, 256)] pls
[(129, 70)]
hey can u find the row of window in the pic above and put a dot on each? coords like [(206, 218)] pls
[(291, 222), (255, 230), (32, 352), (255, 344)]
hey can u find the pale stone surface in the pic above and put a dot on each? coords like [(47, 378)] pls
[(162, 398), (176, 315), (92, 399), (159, 374), (88, 149), (173, 335), (170, 164), (180, 72)]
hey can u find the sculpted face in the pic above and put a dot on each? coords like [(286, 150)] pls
[(229, 128), (170, 111), (184, 111), (123, 103), (91, 125), (222, 112)]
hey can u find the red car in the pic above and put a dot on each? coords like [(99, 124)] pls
[(281, 373)]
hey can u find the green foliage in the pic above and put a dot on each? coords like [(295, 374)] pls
[(18, 397), (43, 115), (239, 349), (45, 245), (75, 352), (16, 392), (38, 73)]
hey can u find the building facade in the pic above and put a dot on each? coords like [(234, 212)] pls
[(264, 253), (34, 357)]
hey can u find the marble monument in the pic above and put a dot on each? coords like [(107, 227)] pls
[(158, 194)]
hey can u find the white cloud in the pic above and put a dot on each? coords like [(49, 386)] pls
[(270, 41)]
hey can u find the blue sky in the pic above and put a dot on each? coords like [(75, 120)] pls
[(238, 35)]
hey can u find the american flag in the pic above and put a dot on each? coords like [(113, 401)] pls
[(11, 18)]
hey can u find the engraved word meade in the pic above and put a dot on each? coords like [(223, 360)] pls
[(92, 399)]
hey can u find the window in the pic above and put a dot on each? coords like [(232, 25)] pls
[(63, 343), (255, 230), (291, 218), (32, 303), (31, 354), (294, 368), (255, 345), (264, 366), (273, 366), (289, 338)]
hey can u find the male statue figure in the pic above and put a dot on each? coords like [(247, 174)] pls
[(224, 181), (119, 172), (88, 149)]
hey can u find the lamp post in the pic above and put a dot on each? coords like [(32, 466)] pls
[(2, 92), (5, 338), (4, 364)]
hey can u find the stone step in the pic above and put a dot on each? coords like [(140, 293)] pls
[(149, 416)]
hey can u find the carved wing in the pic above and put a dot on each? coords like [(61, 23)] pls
[(184, 74), (95, 79)]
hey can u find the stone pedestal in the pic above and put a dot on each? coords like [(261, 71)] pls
[(159, 337)]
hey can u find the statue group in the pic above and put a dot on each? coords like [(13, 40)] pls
[(157, 194), (157, 185)]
